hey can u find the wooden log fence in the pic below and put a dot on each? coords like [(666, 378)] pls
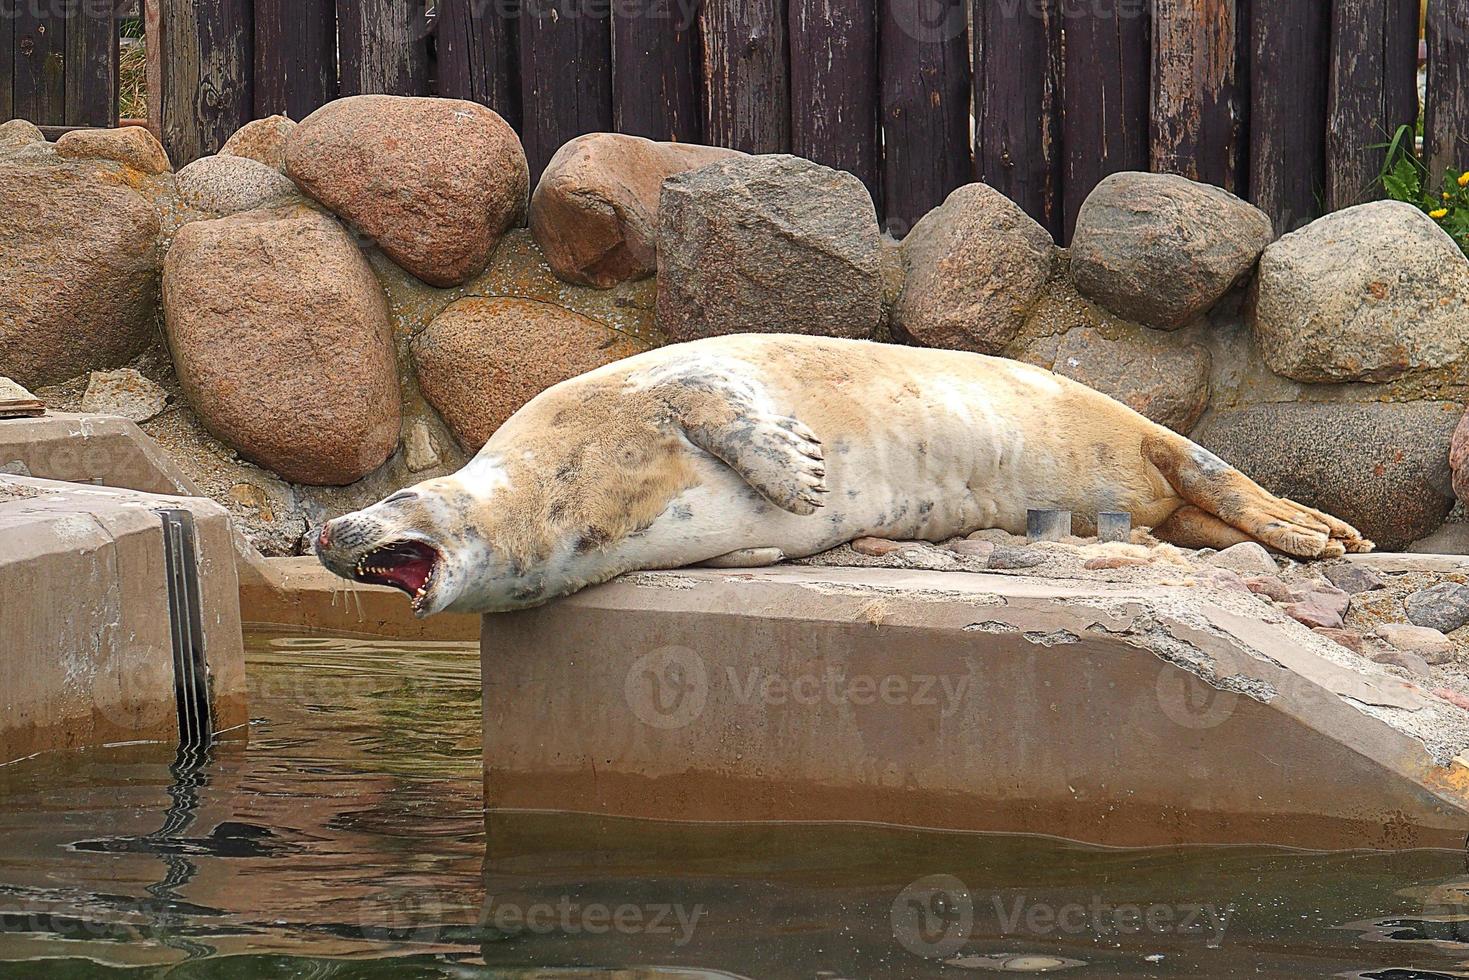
[(1285, 102)]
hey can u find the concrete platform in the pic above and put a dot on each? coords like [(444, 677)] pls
[(1119, 715), (86, 616)]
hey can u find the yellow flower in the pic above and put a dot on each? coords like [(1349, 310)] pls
[(1445, 195), (1464, 179), (1440, 213)]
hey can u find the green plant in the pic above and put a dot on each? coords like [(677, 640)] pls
[(1405, 178)]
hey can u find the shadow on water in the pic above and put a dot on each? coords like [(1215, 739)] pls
[(348, 840)]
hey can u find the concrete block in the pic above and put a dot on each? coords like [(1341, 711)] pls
[(85, 616), (1123, 715)]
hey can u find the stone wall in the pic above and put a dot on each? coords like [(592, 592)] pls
[(327, 311)]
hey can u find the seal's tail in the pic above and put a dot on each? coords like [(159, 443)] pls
[(1228, 506)]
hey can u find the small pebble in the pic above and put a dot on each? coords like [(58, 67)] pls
[(1354, 579), (1272, 588), (877, 547), (1410, 662), (1015, 558), (1246, 558), (1319, 608), (1444, 607), (1350, 639), (1452, 697), (970, 548), (1429, 644)]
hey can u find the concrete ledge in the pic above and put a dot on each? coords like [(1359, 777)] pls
[(85, 615), (298, 593), (1121, 715)]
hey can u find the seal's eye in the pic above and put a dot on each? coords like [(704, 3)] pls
[(400, 496)]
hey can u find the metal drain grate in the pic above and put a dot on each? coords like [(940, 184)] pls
[(185, 613)]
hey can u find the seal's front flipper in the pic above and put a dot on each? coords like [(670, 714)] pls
[(730, 417), (746, 558), (775, 454)]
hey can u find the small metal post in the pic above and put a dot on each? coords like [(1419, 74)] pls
[(1114, 525), (1047, 525)]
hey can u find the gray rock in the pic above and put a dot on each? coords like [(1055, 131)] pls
[(419, 453), (79, 265), (123, 392), (1381, 467), (767, 244), (1014, 558), (224, 185), (1424, 641), (1410, 662), (974, 267), (1166, 381), (1354, 579), (1247, 558), (1365, 294), (1161, 249), (1443, 607)]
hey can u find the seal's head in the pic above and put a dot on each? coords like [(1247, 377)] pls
[(416, 540)]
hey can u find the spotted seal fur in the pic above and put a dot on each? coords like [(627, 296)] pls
[(747, 449)]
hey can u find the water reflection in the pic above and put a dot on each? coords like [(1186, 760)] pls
[(347, 839)]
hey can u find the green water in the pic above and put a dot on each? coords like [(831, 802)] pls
[(348, 840)]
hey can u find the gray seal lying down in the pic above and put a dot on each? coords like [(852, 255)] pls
[(743, 450)]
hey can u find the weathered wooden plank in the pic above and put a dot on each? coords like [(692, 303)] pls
[(295, 56), (747, 90), (1105, 115), (1288, 75), (1374, 47), (478, 54), (566, 74), (655, 70), (206, 74), (1017, 92), (834, 91), (924, 78), (91, 64), (1196, 97), (383, 47), (40, 62), (1446, 126), (7, 67)]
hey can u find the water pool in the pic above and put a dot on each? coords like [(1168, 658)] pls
[(348, 840)]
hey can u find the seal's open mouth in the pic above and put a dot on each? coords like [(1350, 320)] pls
[(406, 565)]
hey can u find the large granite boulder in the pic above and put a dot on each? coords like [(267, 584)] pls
[(1160, 249), (1166, 381), (79, 266), (481, 359), (595, 210), (1459, 458), (973, 268), (282, 342), (261, 140), (132, 146), (433, 182), (767, 244), (225, 184), (1364, 294), (1383, 467)]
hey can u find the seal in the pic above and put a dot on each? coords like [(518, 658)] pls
[(743, 450)]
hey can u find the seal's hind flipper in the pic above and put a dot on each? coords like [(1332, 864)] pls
[(1218, 489), (730, 417)]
